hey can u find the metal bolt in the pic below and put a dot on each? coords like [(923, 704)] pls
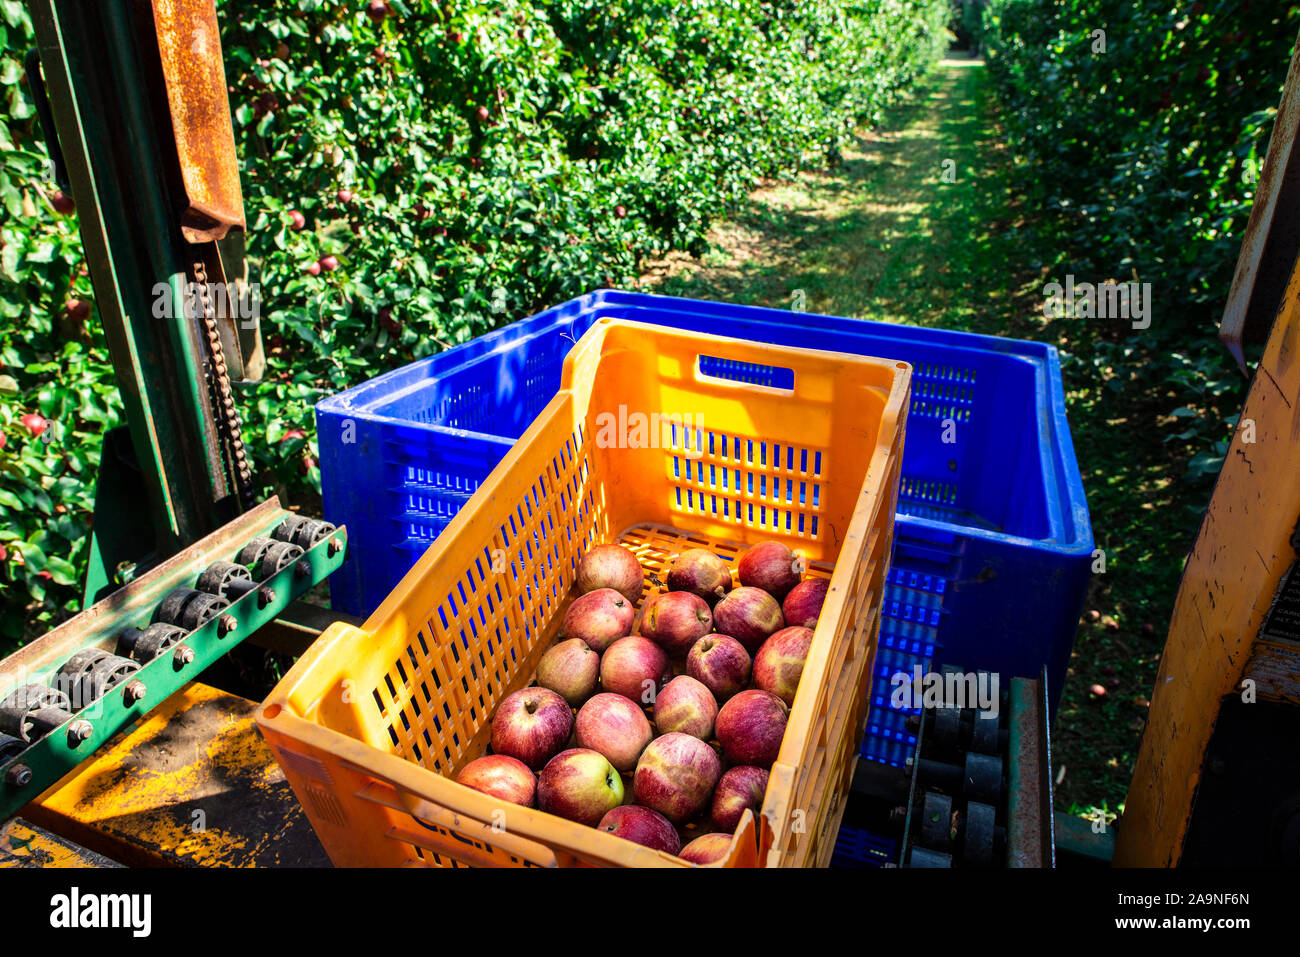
[(265, 596), (335, 547), (133, 692), (183, 656), (226, 624), (78, 731), (18, 776), (302, 569)]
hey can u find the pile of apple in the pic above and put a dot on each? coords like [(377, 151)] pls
[(647, 704)]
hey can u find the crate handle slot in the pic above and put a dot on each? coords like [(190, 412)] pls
[(753, 375)]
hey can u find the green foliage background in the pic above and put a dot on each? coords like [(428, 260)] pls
[(466, 164), (1142, 126), (1140, 129)]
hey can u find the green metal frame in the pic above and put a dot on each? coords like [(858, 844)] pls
[(105, 86), (53, 756)]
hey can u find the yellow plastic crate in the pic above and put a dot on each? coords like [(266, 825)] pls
[(372, 724)]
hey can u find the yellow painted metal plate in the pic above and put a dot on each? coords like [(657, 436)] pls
[(24, 845), (193, 784)]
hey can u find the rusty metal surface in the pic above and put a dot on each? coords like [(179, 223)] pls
[(1268, 252), (26, 845), (1030, 834), (193, 785), (189, 43)]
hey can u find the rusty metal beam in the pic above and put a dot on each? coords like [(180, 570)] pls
[(1030, 836), (189, 43)]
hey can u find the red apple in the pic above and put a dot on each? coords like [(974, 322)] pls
[(642, 826), (570, 669), (579, 784), (502, 777), (297, 219), (676, 776), (312, 269), (687, 706), (804, 603), (344, 196), (599, 618), (620, 211), (770, 566), (720, 663), (482, 113), (62, 203), (76, 309), (675, 620), (532, 724), (699, 571), (634, 667), (750, 615), (282, 51), (35, 424), (616, 727), (376, 10), (329, 263), (779, 663), (741, 787), (611, 566), (707, 849), (751, 726)]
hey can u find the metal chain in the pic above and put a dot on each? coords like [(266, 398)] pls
[(224, 395)]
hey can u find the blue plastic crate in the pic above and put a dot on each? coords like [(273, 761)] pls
[(992, 539), (858, 848)]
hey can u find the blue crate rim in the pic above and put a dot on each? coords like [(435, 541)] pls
[(1071, 530)]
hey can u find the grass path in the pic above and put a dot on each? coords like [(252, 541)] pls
[(886, 236)]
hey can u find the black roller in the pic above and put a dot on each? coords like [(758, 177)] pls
[(983, 777), (946, 727), (90, 674), (189, 609), (227, 579), (10, 747), (146, 644), (984, 736), (303, 532), (251, 554), (279, 556), (32, 711), (923, 857), (979, 835), (936, 821)]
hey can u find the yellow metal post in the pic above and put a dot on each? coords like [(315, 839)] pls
[(1243, 549)]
